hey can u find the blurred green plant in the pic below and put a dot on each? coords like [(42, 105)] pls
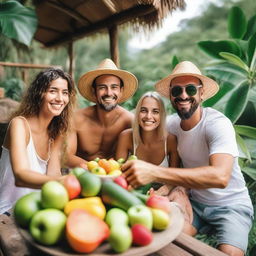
[(13, 88)]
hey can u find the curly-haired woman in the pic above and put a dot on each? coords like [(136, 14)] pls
[(34, 139)]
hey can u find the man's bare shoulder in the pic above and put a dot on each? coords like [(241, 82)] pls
[(84, 113), (125, 113)]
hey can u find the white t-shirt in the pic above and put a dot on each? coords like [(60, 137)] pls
[(213, 134)]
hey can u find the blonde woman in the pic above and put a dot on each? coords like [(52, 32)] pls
[(148, 139), (34, 139)]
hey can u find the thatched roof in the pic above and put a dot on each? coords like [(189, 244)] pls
[(62, 21)]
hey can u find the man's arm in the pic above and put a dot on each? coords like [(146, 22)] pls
[(73, 160), (216, 175)]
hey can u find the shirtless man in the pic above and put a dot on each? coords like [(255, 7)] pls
[(96, 128)]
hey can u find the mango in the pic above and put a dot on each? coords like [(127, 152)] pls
[(93, 205)]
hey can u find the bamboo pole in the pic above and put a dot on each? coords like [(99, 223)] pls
[(71, 58), (26, 65), (113, 39)]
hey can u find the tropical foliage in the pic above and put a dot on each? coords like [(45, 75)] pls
[(235, 68), (17, 21)]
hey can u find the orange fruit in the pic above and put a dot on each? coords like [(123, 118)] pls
[(114, 165), (104, 163)]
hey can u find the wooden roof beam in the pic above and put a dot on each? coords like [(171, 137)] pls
[(64, 8), (50, 29), (117, 19), (110, 5)]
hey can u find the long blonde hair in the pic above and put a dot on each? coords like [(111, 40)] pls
[(161, 129)]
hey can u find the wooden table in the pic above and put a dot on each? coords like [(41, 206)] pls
[(12, 244)]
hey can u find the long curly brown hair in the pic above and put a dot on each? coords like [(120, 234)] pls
[(32, 101)]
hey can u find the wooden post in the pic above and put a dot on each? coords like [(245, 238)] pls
[(25, 78), (71, 58), (113, 39)]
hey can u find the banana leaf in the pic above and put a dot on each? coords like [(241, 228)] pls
[(17, 22), (232, 58), (237, 23), (242, 146), (227, 72), (245, 130), (251, 49), (251, 28), (237, 102), (213, 48)]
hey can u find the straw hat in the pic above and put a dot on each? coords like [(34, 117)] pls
[(187, 68), (107, 67)]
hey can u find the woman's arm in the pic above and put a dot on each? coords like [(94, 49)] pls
[(72, 159), (124, 144), (54, 163), (18, 139)]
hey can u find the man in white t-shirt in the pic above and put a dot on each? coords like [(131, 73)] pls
[(208, 150)]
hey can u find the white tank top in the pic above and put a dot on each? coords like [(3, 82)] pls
[(9, 193), (165, 162)]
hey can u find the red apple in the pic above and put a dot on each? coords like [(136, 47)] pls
[(141, 235), (72, 185), (121, 181), (159, 202)]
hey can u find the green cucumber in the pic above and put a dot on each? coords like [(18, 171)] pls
[(139, 195), (115, 195)]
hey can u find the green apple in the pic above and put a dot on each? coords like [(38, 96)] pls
[(77, 171), (132, 157), (97, 159), (54, 195), (161, 219), (26, 207), (120, 238), (116, 216), (121, 161), (140, 214), (98, 170), (91, 184), (48, 226)]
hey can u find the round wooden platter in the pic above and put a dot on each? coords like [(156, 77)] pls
[(160, 240)]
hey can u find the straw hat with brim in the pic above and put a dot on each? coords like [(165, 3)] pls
[(107, 67), (187, 68)]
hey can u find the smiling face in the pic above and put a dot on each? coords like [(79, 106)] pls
[(108, 91), (149, 115), (56, 97), (185, 104)]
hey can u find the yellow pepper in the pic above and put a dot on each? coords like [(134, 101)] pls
[(93, 205)]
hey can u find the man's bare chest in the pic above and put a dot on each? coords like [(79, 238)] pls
[(95, 139)]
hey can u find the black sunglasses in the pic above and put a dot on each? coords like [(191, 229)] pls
[(191, 89)]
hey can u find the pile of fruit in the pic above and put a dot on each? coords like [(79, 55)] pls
[(101, 166), (88, 211)]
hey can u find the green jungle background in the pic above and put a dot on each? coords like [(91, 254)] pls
[(221, 41)]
